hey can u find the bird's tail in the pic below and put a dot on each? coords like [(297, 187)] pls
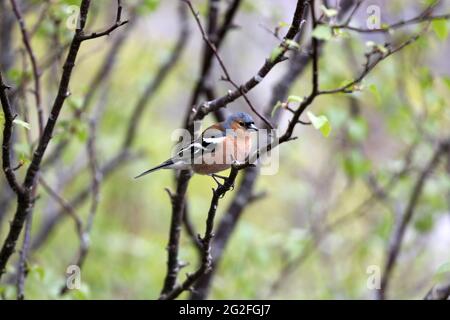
[(161, 166)]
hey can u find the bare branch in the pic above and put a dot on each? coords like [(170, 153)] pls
[(7, 135), (173, 264), (66, 206), (97, 80), (353, 12), (438, 292), (371, 64), (123, 155), (96, 178), (206, 262), (224, 230), (183, 180), (192, 233), (118, 23), (216, 37), (424, 16), (162, 73), (22, 269), (34, 66), (221, 102), (25, 200), (227, 76), (397, 237)]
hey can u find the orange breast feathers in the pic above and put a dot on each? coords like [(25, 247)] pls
[(235, 147)]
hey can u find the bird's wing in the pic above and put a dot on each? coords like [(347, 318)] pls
[(206, 143)]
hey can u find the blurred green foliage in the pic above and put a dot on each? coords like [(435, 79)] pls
[(403, 102)]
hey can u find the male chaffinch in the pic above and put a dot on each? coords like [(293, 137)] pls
[(218, 147)]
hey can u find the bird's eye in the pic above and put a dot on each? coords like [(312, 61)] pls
[(241, 123)]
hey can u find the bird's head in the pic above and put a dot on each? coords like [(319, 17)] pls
[(240, 121)]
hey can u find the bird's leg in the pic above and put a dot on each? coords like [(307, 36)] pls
[(216, 177)]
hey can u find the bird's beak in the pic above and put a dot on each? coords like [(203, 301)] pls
[(252, 127)]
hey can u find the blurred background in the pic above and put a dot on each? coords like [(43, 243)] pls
[(318, 229)]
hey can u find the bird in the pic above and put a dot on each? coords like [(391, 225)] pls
[(217, 149)]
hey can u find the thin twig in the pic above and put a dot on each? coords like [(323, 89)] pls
[(397, 237), (118, 23), (97, 80), (287, 136), (22, 269), (66, 206), (353, 12), (124, 154), (218, 103), (161, 75), (34, 66), (183, 180), (96, 178), (7, 137), (370, 65), (217, 37), (424, 16), (227, 76), (206, 262), (25, 200)]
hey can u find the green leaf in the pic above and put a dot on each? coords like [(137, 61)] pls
[(82, 134), (445, 268), (75, 103), (38, 270), (7, 292), (440, 29), (425, 78), (442, 272), (381, 48), (23, 151), (355, 164), (80, 128), (292, 44), (328, 12), (295, 99), (82, 293), (374, 90), (446, 80), (276, 53), (322, 32), (275, 108), (341, 33), (384, 227), (358, 129), (424, 224), (148, 6), (22, 123), (320, 123), (17, 76), (70, 2)]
